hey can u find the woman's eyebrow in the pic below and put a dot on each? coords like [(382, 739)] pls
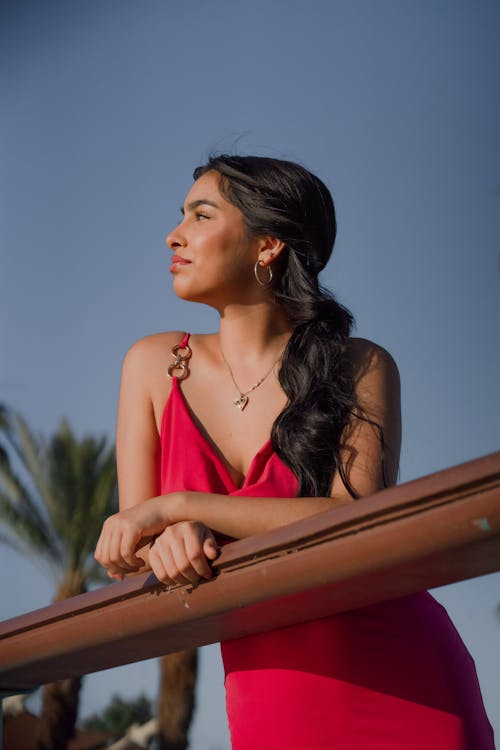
[(200, 202)]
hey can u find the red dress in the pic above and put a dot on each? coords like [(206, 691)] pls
[(391, 676)]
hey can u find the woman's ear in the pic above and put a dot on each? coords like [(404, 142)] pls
[(269, 249)]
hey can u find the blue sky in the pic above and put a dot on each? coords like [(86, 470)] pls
[(107, 106)]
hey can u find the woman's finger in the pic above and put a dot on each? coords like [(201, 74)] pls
[(116, 576), (102, 549), (187, 549), (128, 545), (194, 546), (121, 545), (210, 546), (108, 552), (183, 565), (157, 566), (163, 564), (116, 561), (122, 535)]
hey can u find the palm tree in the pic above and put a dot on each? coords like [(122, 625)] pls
[(119, 715), (54, 497)]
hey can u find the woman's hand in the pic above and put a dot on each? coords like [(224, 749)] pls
[(183, 552), (124, 533)]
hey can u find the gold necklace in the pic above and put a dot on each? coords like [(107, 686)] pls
[(242, 399)]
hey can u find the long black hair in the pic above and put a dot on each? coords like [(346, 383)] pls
[(285, 200)]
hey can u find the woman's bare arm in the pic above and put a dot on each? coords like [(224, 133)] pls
[(137, 433)]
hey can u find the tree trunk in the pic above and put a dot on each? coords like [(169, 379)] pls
[(59, 714), (176, 701), (60, 699)]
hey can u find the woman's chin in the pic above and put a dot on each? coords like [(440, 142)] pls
[(218, 298), (187, 293)]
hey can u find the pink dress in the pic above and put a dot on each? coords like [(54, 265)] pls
[(391, 676)]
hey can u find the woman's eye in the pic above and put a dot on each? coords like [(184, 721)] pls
[(200, 215)]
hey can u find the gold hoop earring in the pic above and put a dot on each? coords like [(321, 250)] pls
[(256, 272)]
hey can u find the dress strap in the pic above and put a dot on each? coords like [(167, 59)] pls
[(185, 340), (181, 354)]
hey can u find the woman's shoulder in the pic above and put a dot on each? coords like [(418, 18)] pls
[(361, 350), (156, 349), (149, 350), (149, 357), (371, 360), (144, 371)]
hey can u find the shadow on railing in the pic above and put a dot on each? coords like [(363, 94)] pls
[(429, 532)]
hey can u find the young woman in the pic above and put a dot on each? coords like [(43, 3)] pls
[(278, 416)]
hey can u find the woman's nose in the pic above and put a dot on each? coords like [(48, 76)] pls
[(175, 238)]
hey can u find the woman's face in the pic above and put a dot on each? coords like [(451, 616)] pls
[(213, 253)]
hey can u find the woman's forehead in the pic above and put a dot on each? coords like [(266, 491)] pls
[(206, 190), (206, 186)]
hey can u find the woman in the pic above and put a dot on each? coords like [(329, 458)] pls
[(278, 416)]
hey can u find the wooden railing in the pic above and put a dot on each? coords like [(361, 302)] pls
[(436, 530)]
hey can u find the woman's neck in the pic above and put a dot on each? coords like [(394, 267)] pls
[(250, 334)]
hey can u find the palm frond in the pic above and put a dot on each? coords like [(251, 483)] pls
[(21, 525), (84, 478), (55, 505), (65, 479), (28, 449), (42, 563), (104, 503), (13, 543), (17, 506), (100, 496)]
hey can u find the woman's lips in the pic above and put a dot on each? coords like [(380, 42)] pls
[(177, 261)]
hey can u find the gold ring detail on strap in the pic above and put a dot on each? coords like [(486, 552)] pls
[(181, 354)]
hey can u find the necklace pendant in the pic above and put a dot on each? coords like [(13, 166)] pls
[(241, 402)]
